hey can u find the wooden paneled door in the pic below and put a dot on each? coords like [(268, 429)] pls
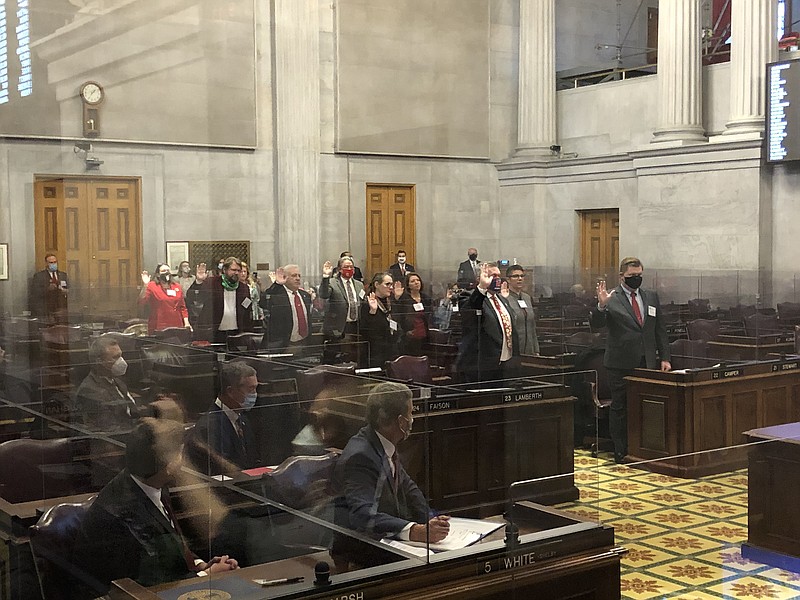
[(93, 226), (599, 246), (391, 226)]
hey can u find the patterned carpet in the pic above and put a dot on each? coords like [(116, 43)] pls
[(683, 535)]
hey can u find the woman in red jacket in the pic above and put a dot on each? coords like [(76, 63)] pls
[(164, 297)]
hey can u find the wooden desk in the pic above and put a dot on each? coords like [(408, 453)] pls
[(739, 347), (705, 411), (564, 558), (773, 491), (467, 447)]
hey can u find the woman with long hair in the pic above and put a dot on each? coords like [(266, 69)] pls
[(165, 300)]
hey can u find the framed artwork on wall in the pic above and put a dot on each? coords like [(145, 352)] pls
[(3, 261), (177, 252)]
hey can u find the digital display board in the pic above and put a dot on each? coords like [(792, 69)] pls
[(783, 111)]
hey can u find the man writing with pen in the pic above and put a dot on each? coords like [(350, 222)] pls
[(375, 495)]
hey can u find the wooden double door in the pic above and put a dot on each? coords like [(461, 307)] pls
[(391, 226), (93, 226), (599, 246)]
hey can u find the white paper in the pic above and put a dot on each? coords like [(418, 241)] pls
[(392, 324), (463, 533), (416, 551), (361, 294), (418, 307), (651, 311), (522, 304), (171, 293)]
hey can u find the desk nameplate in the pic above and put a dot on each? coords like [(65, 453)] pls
[(727, 373), (787, 366), (443, 403)]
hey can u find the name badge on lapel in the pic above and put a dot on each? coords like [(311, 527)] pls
[(171, 293), (651, 311), (246, 303)]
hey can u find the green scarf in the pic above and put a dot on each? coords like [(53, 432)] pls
[(228, 284)]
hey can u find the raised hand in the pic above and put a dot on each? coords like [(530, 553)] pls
[(145, 277), (280, 276), (485, 280), (602, 293), (504, 289), (372, 300), (201, 274), (327, 269)]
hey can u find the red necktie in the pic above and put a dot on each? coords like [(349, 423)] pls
[(54, 277), (302, 324), (504, 320), (636, 312)]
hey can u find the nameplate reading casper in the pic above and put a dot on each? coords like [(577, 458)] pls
[(789, 366), (727, 373), (523, 396)]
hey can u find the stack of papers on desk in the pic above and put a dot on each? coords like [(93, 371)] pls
[(463, 533)]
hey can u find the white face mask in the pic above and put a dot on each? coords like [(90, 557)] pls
[(401, 260), (119, 368)]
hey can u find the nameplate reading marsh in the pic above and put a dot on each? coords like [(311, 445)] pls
[(353, 596), (727, 373), (523, 396), (789, 366)]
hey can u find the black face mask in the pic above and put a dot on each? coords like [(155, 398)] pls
[(634, 281), (165, 277), (473, 257)]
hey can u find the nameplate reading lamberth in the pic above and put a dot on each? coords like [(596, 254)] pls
[(727, 373), (523, 396), (789, 366)]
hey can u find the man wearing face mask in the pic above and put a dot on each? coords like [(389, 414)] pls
[(469, 270), (489, 340), (223, 440), (103, 398), (343, 294), (401, 268), (226, 304), (48, 291), (375, 495), (637, 338)]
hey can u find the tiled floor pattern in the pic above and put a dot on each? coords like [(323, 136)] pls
[(683, 535)]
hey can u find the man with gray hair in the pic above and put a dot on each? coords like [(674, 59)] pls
[(375, 495), (343, 295), (103, 399), (287, 312), (223, 440)]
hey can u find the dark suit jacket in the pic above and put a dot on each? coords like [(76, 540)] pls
[(214, 437), (375, 330), (482, 338), (627, 341), (213, 300), (102, 407), (395, 271), (45, 301), (466, 275), (368, 499), (278, 315), (124, 535), (332, 290)]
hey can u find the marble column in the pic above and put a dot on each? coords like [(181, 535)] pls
[(680, 103), (297, 134), (753, 45), (536, 128)]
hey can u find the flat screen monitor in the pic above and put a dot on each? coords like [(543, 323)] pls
[(783, 111)]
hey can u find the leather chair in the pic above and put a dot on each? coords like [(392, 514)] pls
[(409, 368), (575, 311), (703, 329), (739, 312), (53, 540), (33, 469), (583, 340), (759, 324), (244, 342), (302, 482), (181, 334), (698, 306), (598, 391)]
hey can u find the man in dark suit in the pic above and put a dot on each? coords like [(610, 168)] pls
[(469, 270), (375, 495), (401, 268), (357, 275), (223, 440), (637, 338), (287, 312), (48, 292), (130, 529), (226, 304), (489, 340), (343, 295), (103, 399)]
